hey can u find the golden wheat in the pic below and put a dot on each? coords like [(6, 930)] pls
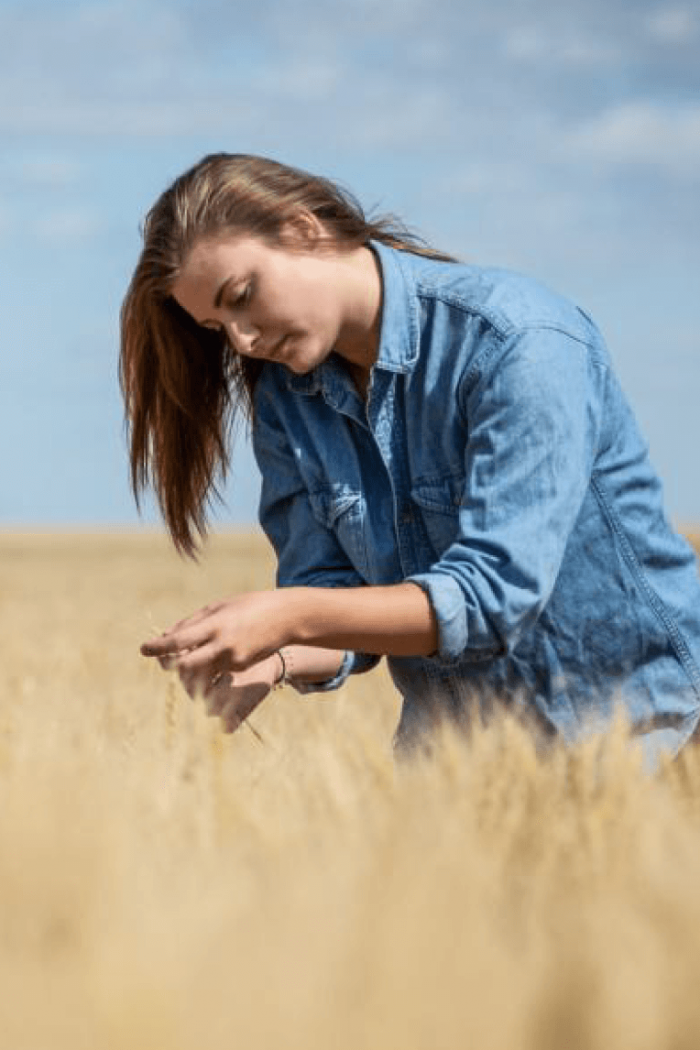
[(166, 887)]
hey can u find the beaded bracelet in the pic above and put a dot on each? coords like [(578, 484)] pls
[(286, 661)]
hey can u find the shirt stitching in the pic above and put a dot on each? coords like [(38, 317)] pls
[(658, 607)]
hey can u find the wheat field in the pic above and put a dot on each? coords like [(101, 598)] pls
[(166, 887)]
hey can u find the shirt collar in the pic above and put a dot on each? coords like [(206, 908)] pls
[(399, 338)]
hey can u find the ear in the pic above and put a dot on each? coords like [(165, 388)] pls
[(305, 230)]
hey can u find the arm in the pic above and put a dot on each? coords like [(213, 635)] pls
[(233, 696), (229, 652), (248, 629), (395, 620), (308, 554), (535, 417), (534, 425)]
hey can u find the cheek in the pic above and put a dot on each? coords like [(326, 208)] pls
[(301, 316), (309, 301), (279, 307), (296, 305), (319, 312)]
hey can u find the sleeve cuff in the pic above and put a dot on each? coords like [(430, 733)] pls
[(353, 663), (446, 597)]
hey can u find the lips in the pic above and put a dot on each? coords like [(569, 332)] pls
[(279, 344), (270, 353)]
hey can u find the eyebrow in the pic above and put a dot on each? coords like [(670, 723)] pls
[(220, 294)]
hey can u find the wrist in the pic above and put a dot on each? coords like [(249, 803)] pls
[(283, 668)]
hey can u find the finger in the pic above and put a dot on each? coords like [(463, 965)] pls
[(215, 657), (177, 642), (169, 663), (238, 709), (207, 678), (198, 681), (218, 684), (175, 638), (208, 660), (196, 617), (189, 683), (187, 621), (218, 694)]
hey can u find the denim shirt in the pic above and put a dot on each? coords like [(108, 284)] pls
[(495, 463)]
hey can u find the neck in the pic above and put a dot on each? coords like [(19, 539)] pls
[(359, 337)]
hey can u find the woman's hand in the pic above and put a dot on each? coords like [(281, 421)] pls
[(234, 695), (397, 620), (229, 636)]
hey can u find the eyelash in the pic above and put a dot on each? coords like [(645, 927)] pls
[(239, 300), (242, 298)]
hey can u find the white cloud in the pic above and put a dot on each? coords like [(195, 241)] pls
[(495, 177), (220, 68), (574, 47), (525, 43), (672, 25), (71, 68), (303, 78), (113, 117), (398, 116), (67, 225), (50, 171), (650, 134)]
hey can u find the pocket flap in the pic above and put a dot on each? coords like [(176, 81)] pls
[(443, 495), (328, 504)]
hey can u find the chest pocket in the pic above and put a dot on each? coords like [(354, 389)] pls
[(439, 500), (342, 512)]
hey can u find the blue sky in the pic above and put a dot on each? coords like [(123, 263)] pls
[(562, 140)]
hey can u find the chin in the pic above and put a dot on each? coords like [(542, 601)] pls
[(300, 368), (304, 362)]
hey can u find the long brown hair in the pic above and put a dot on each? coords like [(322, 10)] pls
[(183, 385)]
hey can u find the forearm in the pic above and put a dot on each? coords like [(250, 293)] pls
[(244, 633), (395, 620), (306, 663)]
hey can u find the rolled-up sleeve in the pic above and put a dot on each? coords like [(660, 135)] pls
[(308, 554), (533, 419)]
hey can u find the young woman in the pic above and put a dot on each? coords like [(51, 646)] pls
[(451, 475)]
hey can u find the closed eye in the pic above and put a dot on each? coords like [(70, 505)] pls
[(242, 298), (234, 303)]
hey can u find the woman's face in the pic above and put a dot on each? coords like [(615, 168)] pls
[(275, 303)]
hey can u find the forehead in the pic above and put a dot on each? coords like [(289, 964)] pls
[(232, 254), (211, 263)]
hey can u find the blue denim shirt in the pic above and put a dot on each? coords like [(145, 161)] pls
[(497, 464)]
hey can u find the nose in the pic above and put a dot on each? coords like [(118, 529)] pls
[(242, 336)]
